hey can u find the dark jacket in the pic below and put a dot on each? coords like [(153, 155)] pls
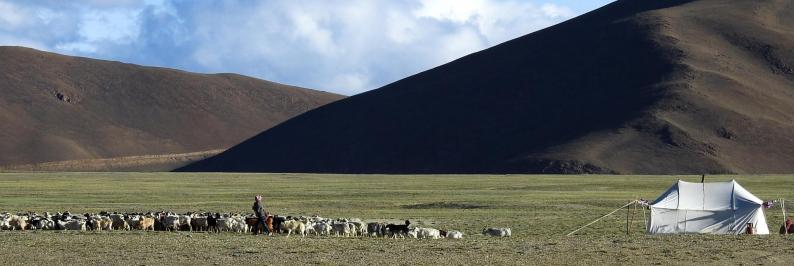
[(259, 210)]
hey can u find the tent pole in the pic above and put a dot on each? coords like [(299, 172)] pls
[(783, 207), (596, 220), (633, 211), (628, 210), (644, 219)]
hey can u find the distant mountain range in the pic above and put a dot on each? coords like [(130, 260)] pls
[(66, 111), (635, 87)]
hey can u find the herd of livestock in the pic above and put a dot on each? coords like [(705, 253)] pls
[(209, 222)]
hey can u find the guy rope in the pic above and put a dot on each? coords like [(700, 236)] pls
[(602, 217)]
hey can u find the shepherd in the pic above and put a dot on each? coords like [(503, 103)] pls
[(261, 215)]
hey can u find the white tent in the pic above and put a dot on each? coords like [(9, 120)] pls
[(714, 208)]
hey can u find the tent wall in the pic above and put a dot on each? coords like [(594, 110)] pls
[(674, 221), (715, 208)]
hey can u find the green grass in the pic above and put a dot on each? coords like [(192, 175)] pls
[(539, 209)]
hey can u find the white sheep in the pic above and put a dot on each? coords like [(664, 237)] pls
[(238, 224), (455, 234), (322, 229), (360, 228), (294, 226), (420, 232)]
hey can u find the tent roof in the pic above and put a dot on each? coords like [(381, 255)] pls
[(713, 196)]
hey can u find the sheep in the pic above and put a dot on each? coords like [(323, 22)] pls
[(133, 221), (376, 229), (498, 232), (199, 223), (342, 229), (310, 229), (238, 224), (105, 223), (321, 228), (185, 223), (302, 225), (455, 235), (18, 222), (37, 223), (419, 232), (293, 225), (146, 223), (352, 229), (5, 222), (92, 222), (76, 225), (360, 228), (118, 222), (170, 222), (224, 224)]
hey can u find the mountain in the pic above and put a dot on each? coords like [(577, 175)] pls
[(635, 87), (60, 108)]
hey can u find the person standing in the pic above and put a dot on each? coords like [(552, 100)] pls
[(261, 215)]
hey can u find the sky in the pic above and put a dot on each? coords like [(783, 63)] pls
[(344, 46)]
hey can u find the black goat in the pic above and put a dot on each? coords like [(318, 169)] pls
[(401, 229)]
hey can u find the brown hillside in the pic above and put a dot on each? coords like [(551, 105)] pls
[(58, 108), (137, 163), (635, 87)]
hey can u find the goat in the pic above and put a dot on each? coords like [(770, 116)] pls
[(498, 232), (398, 229)]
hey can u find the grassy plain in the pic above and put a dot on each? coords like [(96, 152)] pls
[(540, 209)]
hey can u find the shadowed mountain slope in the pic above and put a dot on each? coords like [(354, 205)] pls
[(62, 108), (635, 87)]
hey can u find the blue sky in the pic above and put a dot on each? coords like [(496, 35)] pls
[(345, 47)]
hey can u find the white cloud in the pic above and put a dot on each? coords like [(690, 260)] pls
[(12, 16), (308, 28), (555, 11), (340, 46), (458, 11), (497, 20), (114, 25), (350, 83)]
